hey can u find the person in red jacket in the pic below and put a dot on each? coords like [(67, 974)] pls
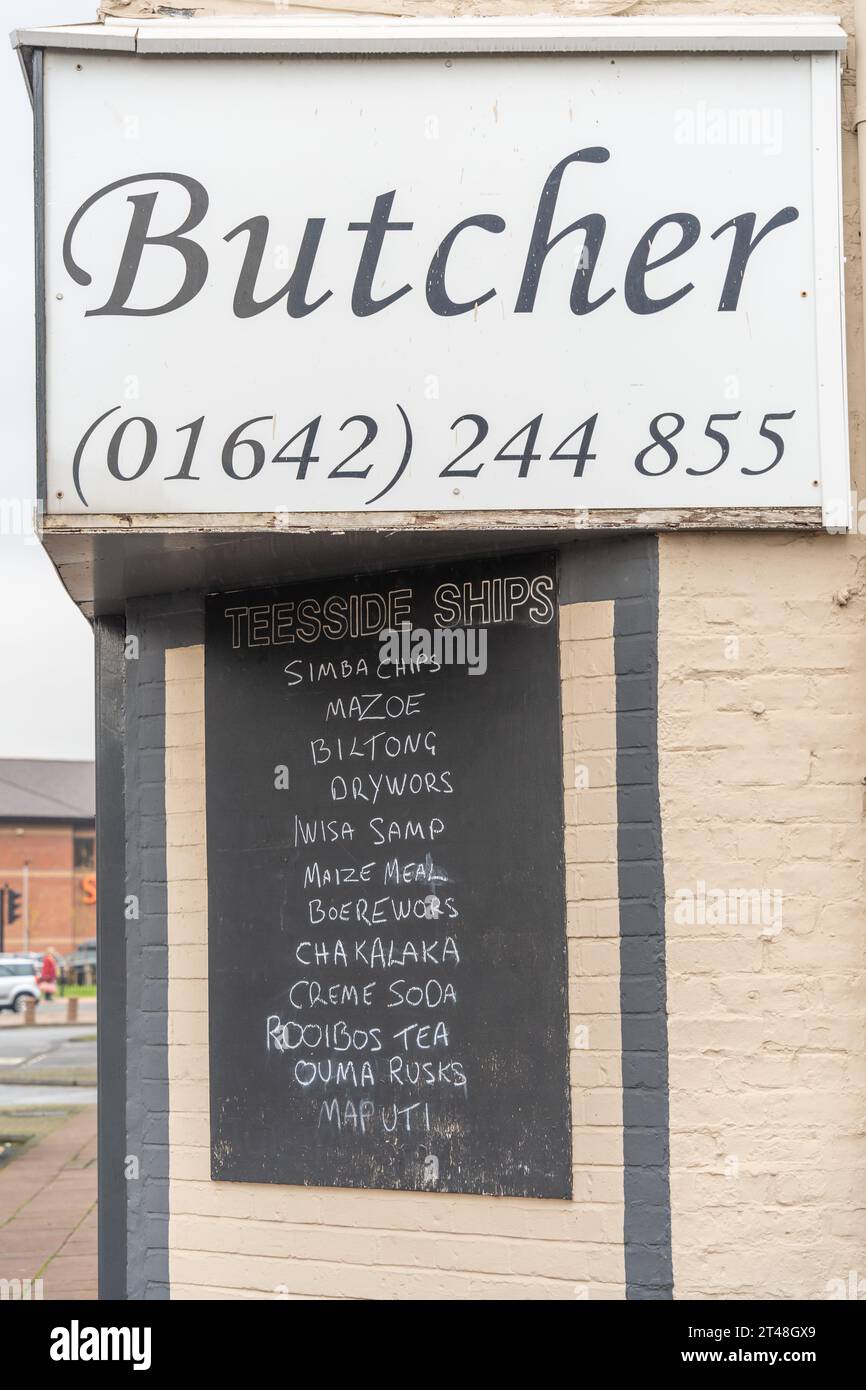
[(48, 977)]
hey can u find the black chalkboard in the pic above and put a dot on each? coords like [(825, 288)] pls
[(386, 884)]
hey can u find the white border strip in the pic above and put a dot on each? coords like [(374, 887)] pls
[(532, 34), (831, 386)]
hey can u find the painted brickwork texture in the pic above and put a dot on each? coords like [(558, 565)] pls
[(151, 624), (762, 766), (620, 578), (592, 896)]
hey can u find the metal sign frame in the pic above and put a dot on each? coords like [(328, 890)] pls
[(818, 40)]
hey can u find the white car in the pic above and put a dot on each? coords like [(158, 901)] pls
[(17, 982)]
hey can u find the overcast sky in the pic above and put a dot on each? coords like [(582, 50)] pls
[(46, 649)]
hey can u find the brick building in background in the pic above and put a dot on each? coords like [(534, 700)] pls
[(47, 854)]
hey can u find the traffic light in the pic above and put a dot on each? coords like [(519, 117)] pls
[(10, 909)]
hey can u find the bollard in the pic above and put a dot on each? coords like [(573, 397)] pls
[(29, 1012), (72, 1010)]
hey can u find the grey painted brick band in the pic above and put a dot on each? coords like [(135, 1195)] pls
[(110, 956), (626, 572), (158, 624)]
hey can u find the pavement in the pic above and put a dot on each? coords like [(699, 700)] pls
[(48, 1218), (48, 1228)]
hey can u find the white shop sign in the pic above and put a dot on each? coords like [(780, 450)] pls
[(443, 283)]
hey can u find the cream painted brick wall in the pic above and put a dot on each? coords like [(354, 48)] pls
[(768, 1037), (238, 1240), (762, 760)]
